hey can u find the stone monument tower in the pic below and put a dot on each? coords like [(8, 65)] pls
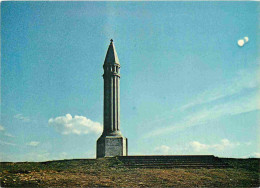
[(111, 142)]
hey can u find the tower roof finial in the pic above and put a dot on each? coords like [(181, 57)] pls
[(111, 56)]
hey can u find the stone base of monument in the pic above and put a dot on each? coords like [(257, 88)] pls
[(110, 146)]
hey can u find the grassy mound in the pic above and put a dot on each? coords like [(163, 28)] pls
[(106, 172)]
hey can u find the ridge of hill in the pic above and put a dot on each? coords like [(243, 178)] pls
[(112, 173)]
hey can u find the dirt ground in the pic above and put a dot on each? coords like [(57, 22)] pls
[(105, 173)]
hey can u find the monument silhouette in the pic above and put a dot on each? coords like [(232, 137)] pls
[(111, 142)]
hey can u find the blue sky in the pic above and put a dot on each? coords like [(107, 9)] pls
[(189, 77)]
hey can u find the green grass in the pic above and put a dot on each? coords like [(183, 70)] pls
[(105, 173)]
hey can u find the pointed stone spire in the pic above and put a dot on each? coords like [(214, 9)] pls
[(111, 142), (111, 56)]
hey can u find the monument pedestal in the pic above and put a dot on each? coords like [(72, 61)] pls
[(110, 146)]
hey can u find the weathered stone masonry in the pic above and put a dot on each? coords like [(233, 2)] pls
[(111, 142)]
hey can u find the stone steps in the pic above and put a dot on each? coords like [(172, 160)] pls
[(179, 166), (172, 161)]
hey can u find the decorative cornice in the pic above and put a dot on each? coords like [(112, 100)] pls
[(110, 75)]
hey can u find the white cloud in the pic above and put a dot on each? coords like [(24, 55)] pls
[(253, 155), (5, 133), (209, 109), (77, 125), (2, 128), (223, 145), (163, 149), (242, 42), (9, 135), (33, 143), (206, 115), (257, 155), (7, 143), (221, 148), (244, 80), (197, 146), (22, 118), (246, 39)]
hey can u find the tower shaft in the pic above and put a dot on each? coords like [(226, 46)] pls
[(111, 99), (111, 142)]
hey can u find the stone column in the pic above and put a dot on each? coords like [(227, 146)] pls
[(111, 142)]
